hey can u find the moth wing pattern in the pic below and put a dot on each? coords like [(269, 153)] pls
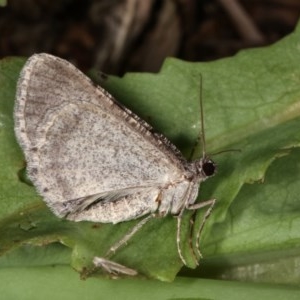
[(79, 142)]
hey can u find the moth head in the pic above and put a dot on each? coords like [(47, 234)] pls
[(206, 167)]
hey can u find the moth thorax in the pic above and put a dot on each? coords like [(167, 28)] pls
[(206, 167)]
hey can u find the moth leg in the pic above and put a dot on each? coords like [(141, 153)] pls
[(194, 207), (178, 239), (192, 225), (179, 222), (210, 203), (128, 236), (112, 267)]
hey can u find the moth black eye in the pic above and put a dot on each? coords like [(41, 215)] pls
[(209, 168)]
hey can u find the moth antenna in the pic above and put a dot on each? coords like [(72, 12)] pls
[(226, 150), (201, 136), (202, 130)]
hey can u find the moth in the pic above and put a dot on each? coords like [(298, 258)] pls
[(92, 159)]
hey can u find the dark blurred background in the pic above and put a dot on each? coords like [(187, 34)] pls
[(116, 36)]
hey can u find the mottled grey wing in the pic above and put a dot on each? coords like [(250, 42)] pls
[(79, 142)]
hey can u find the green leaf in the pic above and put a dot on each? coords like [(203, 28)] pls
[(61, 283), (251, 103)]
